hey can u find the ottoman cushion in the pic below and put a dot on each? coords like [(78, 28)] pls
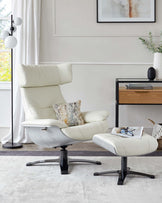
[(126, 146)]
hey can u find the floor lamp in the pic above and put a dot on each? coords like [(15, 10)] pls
[(11, 42)]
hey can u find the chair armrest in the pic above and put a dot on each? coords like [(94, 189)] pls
[(93, 116), (44, 123)]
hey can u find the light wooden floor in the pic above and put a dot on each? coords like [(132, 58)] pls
[(76, 147)]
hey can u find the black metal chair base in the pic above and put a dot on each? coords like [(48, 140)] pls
[(63, 161), (123, 172)]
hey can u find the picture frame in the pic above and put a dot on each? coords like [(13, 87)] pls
[(126, 11)]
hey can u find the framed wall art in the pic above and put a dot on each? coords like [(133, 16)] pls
[(126, 11)]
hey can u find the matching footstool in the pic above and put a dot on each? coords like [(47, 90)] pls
[(125, 147)]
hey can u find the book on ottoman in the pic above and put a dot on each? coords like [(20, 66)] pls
[(128, 131)]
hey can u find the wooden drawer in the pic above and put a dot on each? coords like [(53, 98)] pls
[(132, 96)]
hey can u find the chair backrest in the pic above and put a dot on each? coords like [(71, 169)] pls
[(40, 88)]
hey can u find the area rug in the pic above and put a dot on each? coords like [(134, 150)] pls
[(44, 184)]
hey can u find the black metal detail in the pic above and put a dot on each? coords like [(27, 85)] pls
[(129, 80), (134, 104), (11, 145), (136, 80), (117, 105), (63, 161), (123, 172), (150, 21), (44, 129), (42, 162), (85, 161)]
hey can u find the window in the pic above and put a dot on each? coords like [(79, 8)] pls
[(5, 63)]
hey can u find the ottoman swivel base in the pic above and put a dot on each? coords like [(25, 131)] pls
[(123, 172), (125, 147)]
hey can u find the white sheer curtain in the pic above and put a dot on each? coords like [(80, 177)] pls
[(26, 52)]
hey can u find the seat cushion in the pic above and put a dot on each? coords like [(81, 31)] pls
[(86, 131), (126, 146), (92, 116)]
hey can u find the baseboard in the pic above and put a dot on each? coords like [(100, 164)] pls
[(3, 131)]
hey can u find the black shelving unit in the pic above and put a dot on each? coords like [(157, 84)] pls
[(128, 81)]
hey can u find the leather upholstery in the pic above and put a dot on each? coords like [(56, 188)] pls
[(86, 131), (126, 146), (39, 76), (38, 101), (44, 123), (93, 116), (40, 91)]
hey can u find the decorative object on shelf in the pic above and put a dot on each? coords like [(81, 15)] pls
[(157, 129), (158, 63), (133, 11), (157, 50), (11, 42), (151, 73)]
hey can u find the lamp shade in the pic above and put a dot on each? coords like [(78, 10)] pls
[(4, 34), (18, 21), (10, 42)]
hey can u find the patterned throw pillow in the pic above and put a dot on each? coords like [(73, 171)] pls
[(69, 113)]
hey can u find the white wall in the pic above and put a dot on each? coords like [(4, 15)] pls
[(100, 53)]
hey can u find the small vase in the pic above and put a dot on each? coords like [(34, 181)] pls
[(158, 65)]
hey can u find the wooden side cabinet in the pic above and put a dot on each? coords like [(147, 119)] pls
[(126, 96)]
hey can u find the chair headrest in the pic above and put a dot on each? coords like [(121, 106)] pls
[(44, 75)]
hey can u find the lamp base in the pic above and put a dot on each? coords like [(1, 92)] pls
[(10, 145)]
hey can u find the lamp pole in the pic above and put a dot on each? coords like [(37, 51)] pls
[(12, 145)]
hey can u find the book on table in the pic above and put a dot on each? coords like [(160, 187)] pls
[(128, 132), (139, 86)]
